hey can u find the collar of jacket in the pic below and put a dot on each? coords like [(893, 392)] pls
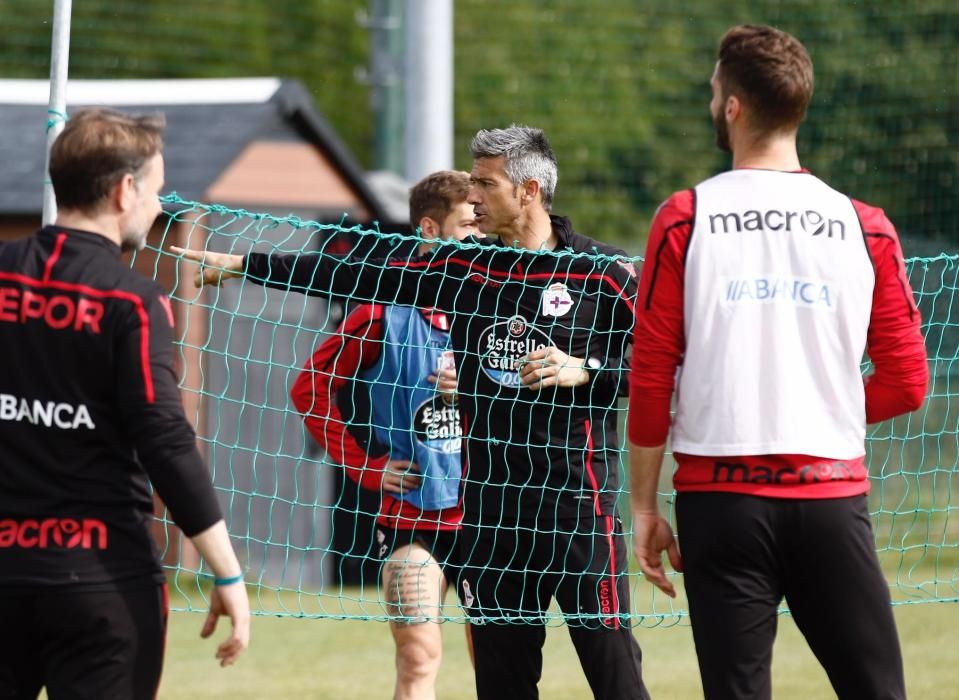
[(563, 229)]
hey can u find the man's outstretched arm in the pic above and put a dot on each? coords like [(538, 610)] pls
[(424, 281), (215, 268)]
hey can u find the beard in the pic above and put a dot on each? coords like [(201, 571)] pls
[(133, 241), (722, 132)]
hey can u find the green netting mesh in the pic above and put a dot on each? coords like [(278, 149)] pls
[(303, 531)]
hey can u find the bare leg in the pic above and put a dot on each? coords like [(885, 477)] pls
[(414, 588)]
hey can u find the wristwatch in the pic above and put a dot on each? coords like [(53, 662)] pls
[(592, 365)]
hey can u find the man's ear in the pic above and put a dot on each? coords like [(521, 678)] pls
[(733, 109), (124, 194), (430, 228), (530, 191)]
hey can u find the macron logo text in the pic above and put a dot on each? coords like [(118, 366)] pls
[(61, 533), (809, 221)]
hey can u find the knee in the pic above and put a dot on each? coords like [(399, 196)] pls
[(417, 659)]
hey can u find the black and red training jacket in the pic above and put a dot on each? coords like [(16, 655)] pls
[(90, 414)]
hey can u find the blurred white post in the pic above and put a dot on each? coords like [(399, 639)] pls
[(57, 108), (429, 87)]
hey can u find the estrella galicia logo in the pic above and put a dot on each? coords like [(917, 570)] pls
[(809, 221), (436, 425), (505, 345)]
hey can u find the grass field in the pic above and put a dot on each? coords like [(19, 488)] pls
[(338, 659), (345, 659)]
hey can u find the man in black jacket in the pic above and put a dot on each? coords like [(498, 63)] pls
[(541, 321), (90, 413)]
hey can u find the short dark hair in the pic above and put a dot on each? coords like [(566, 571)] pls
[(436, 195), (96, 148), (770, 71)]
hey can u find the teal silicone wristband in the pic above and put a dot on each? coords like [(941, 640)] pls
[(228, 581)]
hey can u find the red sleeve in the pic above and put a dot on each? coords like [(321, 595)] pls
[(659, 339), (894, 343), (355, 346)]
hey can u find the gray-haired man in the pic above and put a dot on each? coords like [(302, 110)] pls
[(540, 326)]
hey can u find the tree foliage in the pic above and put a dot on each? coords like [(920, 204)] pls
[(621, 87)]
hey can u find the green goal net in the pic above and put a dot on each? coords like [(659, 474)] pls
[(306, 534)]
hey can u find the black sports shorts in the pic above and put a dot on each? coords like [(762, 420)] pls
[(442, 544)]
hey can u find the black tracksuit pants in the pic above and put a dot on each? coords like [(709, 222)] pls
[(82, 645), (743, 554), (511, 576)]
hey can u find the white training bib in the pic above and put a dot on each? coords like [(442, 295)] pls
[(778, 296)]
